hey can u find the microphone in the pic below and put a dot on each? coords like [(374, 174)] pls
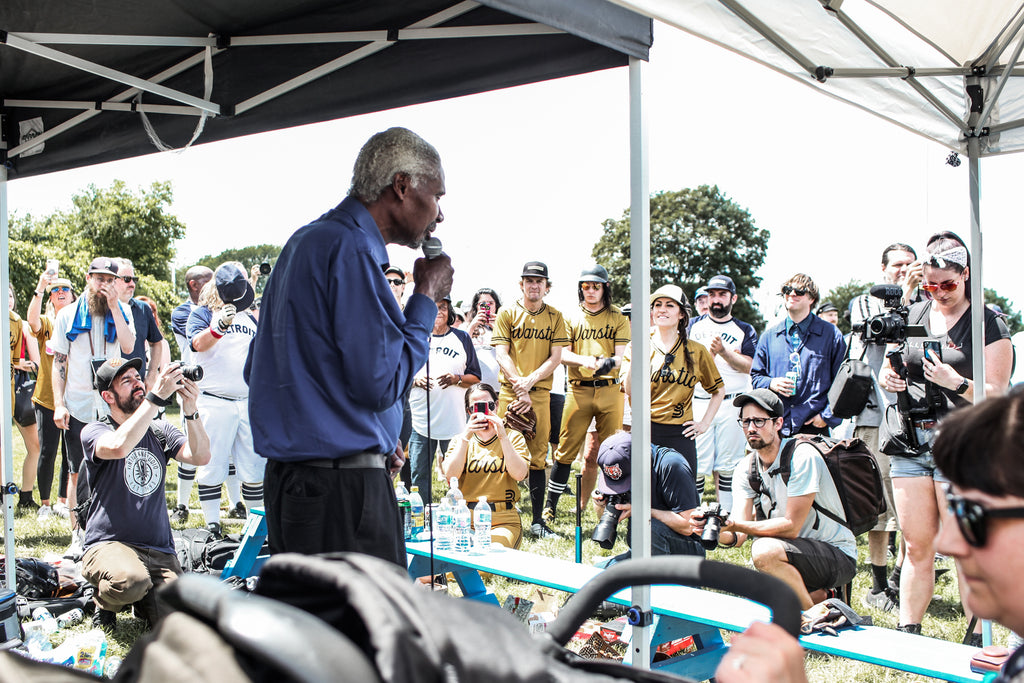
[(431, 248), (887, 291)]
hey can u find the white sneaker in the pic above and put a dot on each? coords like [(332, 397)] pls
[(44, 512), (61, 509)]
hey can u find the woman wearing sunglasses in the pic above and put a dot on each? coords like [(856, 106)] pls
[(677, 365), (489, 461), (56, 293), (937, 383)]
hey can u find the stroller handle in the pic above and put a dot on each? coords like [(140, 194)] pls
[(684, 571)]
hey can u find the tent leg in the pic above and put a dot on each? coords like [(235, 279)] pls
[(7, 452), (640, 279)]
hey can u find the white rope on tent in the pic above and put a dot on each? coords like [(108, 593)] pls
[(203, 114)]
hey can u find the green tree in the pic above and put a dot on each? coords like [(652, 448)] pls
[(1013, 317), (248, 256), (695, 234), (841, 296)]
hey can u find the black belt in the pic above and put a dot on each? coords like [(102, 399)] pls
[(504, 505), (727, 397), (224, 398), (595, 382), (925, 424), (360, 461)]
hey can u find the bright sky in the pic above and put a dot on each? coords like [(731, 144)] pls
[(532, 171)]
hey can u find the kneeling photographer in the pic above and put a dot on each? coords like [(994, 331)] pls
[(673, 498)]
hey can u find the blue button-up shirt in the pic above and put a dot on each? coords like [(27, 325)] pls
[(821, 354), (334, 354)]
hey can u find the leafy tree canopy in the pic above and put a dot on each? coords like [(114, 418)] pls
[(248, 256), (695, 235)]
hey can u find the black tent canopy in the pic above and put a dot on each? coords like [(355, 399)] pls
[(88, 82), (75, 77)]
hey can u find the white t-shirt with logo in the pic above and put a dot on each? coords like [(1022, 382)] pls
[(737, 336)]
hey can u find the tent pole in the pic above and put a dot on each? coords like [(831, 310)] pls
[(640, 369), (7, 453)]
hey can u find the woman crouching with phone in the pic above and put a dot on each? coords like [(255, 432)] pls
[(489, 461)]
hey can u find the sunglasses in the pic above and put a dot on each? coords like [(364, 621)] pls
[(787, 290), (756, 421), (972, 518), (947, 286), (666, 369), (396, 281), (128, 279), (59, 289), (590, 285)]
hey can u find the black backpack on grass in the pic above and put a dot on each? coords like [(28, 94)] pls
[(853, 470)]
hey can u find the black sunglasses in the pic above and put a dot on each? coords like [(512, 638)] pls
[(396, 281), (128, 279), (972, 518), (787, 290), (666, 369)]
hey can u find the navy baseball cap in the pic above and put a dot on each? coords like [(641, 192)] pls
[(701, 291), (722, 282), (826, 307), (614, 460), (535, 269), (104, 265), (233, 286)]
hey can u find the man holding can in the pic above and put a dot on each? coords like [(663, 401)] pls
[(798, 358)]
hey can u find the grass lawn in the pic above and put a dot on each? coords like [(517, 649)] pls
[(944, 620)]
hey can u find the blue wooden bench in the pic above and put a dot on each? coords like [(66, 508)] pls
[(681, 611)]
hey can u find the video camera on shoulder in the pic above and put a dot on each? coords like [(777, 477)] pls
[(890, 327)]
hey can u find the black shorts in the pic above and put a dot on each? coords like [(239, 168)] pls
[(821, 564)]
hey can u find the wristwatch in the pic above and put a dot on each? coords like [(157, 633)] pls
[(193, 416), (962, 389)]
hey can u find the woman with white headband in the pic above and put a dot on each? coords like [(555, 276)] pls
[(939, 379)]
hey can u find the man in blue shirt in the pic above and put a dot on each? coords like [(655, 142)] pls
[(798, 359), (334, 354)]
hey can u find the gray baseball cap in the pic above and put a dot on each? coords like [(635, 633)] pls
[(766, 398)]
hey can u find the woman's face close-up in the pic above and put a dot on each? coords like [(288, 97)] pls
[(666, 312), (945, 285)]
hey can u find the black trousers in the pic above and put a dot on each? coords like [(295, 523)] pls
[(314, 510), (671, 436), (49, 441)]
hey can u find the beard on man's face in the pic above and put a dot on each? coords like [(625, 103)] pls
[(130, 403), (97, 302), (719, 310)]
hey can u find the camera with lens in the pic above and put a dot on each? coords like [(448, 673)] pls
[(192, 372), (604, 534), (714, 517), (265, 269), (890, 327)]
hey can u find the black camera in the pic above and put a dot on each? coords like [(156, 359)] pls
[(714, 517), (265, 269), (604, 534), (192, 372), (890, 327)]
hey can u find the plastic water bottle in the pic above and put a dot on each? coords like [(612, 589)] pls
[(404, 509), (463, 541), (482, 526), (455, 495), (416, 511), (445, 524)]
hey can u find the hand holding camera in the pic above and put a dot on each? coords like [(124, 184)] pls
[(604, 533), (225, 317), (714, 519)]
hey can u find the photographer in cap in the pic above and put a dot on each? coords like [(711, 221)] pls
[(795, 542), (219, 331), (129, 550), (674, 500)]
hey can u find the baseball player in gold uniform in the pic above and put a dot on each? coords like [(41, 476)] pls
[(598, 334), (490, 461), (528, 339)]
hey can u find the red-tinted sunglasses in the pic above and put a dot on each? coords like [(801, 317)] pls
[(947, 286)]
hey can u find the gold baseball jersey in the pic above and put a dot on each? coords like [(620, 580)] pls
[(672, 386), (596, 334), (485, 473), (529, 338)]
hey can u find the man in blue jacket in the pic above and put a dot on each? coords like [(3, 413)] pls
[(334, 355), (798, 359)]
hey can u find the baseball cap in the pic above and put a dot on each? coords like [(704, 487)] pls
[(674, 292), (396, 270), (594, 273), (701, 291), (535, 269), (102, 264), (614, 460), (766, 398), (826, 307), (722, 282), (59, 282), (233, 286), (112, 369)]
